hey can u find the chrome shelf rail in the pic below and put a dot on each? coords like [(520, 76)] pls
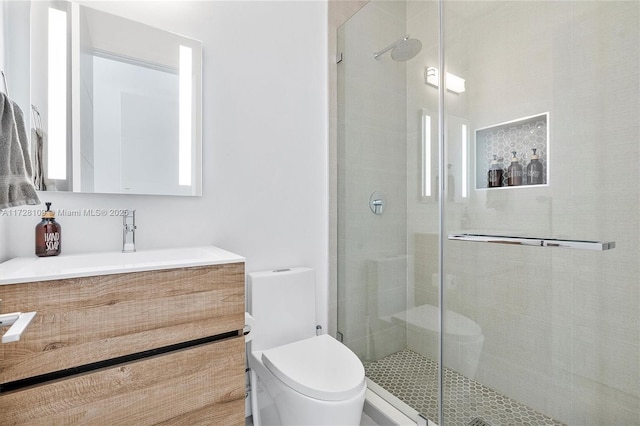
[(537, 242)]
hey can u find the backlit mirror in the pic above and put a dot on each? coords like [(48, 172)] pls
[(117, 104)]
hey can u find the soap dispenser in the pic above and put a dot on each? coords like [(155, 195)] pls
[(494, 176), (534, 170), (514, 171), (48, 233)]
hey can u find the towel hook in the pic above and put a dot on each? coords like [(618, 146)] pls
[(4, 79)]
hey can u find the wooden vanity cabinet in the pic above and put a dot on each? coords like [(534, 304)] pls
[(141, 348)]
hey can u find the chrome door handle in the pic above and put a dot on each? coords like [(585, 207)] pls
[(538, 242)]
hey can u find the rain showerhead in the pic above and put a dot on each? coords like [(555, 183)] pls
[(406, 50), (402, 50)]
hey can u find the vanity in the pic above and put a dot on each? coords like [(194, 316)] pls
[(125, 338)]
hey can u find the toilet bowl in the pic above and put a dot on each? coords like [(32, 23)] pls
[(297, 377)]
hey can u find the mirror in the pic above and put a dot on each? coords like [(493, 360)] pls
[(117, 102)]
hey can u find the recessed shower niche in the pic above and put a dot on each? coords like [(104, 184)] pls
[(495, 147)]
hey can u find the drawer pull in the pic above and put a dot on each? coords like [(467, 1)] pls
[(18, 321)]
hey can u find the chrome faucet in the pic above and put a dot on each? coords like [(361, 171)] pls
[(129, 231)]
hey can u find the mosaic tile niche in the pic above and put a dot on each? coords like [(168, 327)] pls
[(521, 136)]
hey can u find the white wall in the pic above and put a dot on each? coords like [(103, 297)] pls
[(4, 244), (14, 62), (3, 222), (264, 143)]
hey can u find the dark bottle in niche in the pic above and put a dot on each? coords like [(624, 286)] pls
[(514, 171), (534, 170), (48, 232), (494, 175)]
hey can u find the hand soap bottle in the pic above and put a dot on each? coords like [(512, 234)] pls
[(494, 176), (48, 233), (534, 170), (514, 171)]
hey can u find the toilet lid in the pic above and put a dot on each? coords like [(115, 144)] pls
[(319, 367)]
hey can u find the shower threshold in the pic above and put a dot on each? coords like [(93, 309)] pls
[(413, 378)]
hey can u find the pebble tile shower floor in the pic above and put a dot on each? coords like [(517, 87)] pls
[(413, 378)]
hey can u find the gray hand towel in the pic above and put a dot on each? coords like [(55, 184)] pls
[(16, 188)]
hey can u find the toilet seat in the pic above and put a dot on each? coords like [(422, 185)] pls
[(319, 367)]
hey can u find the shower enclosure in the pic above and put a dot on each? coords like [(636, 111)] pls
[(470, 304)]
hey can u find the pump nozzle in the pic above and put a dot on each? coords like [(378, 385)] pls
[(48, 213)]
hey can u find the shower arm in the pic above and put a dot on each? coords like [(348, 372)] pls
[(389, 47)]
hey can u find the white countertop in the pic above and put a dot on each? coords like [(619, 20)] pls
[(29, 269)]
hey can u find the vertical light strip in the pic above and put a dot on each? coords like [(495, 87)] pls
[(465, 164), (184, 153), (57, 95), (426, 155), (75, 138)]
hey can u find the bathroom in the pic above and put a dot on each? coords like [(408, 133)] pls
[(271, 179)]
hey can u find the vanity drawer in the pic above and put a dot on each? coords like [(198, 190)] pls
[(86, 320), (203, 385)]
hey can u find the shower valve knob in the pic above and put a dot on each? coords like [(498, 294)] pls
[(377, 202)]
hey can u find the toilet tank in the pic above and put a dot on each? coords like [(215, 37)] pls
[(283, 304)]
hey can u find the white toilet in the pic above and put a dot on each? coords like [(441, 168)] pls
[(297, 377)]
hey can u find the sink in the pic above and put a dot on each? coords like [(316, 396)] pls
[(29, 269)]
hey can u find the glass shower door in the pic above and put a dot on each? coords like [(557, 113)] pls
[(542, 334), (372, 254), (383, 102)]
